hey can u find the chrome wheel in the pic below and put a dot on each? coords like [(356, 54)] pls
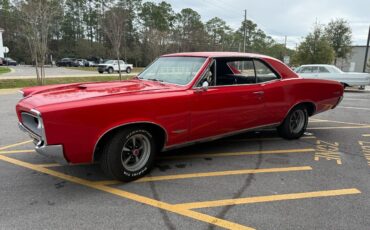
[(297, 121), (135, 152)]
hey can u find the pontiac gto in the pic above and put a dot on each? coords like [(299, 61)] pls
[(179, 99)]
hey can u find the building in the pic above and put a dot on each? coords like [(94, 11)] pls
[(1, 43), (355, 62)]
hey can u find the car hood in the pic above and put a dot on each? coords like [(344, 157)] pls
[(47, 95)]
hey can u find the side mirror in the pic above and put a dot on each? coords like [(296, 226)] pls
[(205, 85)]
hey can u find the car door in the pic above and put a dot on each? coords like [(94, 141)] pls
[(224, 107), (275, 100)]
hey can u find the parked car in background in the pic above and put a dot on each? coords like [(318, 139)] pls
[(111, 66), (68, 62), (9, 61), (91, 63), (82, 63), (178, 100), (331, 72), (1, 61)]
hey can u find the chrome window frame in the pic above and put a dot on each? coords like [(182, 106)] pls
[(195, 87)]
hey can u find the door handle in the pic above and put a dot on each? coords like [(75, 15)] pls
[(259, 92)]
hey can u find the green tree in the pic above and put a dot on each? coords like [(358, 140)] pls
[(339, 35), (157, 23), (315, 49), (114, 26), (188, 32), (37, 17), (219, 33)]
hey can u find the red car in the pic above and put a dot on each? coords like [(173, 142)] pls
[(179, 99)]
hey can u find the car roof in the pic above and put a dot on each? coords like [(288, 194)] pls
[(216, 54), (317, 65)]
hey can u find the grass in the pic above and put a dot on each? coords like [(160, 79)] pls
[(20, 83), (94, 69), (4, 70)]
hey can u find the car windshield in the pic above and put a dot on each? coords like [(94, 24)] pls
[(109, 62), (176, 70)]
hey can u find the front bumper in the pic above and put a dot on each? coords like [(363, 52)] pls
[(54, 152)]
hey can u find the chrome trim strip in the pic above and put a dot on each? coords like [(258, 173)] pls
[(130, 123), (52, 151), (201, 140), (179, 131), (41, 125), (29, 132)]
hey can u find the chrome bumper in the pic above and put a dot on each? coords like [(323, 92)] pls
[(54, 152)]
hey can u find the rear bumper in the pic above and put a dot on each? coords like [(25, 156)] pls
[(338, 102), (54, 152)]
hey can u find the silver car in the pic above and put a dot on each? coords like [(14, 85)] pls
[(331, 72)]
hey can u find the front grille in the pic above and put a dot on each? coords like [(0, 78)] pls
[(32, 123)]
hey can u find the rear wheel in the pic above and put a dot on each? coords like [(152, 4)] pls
[(129, 154), (295, 124)]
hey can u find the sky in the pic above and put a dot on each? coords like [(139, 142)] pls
[(280, 18)]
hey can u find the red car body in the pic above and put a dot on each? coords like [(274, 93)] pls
[(79, 116)]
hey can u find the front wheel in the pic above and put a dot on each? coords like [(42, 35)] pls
[(110, 70), (295, 124), (128, 70), (129, 154)]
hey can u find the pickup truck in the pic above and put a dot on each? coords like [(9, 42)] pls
[(111, 66)]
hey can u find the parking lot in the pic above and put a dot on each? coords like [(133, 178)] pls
[(250, 181)]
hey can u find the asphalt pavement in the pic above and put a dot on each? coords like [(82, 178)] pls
[(250, 181)]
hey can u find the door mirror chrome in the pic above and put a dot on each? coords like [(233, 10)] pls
[(205, 85)]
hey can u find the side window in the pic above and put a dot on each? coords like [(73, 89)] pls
[(307, 69), (323, 70), (242, 73), (263, 72)]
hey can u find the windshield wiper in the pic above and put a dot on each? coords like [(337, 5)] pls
[(154, 79)]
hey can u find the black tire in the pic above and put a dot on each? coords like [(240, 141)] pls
[(110, 70), (293, 127), (128, 70), (120, 164), (101, 71)]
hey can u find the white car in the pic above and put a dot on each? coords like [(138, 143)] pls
[(111, 66), (331, 72)]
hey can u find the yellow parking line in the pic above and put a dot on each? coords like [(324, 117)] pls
[(348, 107), (339, 122), (14, 145), (264, 139), (261, 199), (283, 151), (341, 127), (366, 135), (17, 151), (211, 174), (49, 165), (131, 196)]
